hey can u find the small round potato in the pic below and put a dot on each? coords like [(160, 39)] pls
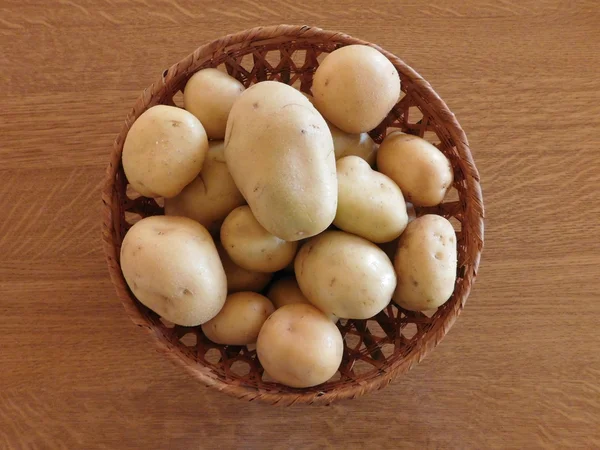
[(286, 291), (240, 320), (355, 88), (251, 246), (209, 95), (211, 196), (299, 346), (345, 274), (346, 144), (422, 171), (425, 263), (164, 151), (370, 204), (240, 279), (172, 266)]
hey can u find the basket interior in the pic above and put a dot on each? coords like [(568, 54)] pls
[(372, 347)]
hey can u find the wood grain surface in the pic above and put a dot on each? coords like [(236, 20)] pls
[(521, 367)]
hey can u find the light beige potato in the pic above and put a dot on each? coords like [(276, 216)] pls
[(422, 171), (425, 263), (347, 144), (279, 151), (172, 266), (355, 88), (345, 274), (252, 247), (209, 95), (299, 346), (211, 196), (286, 291), (370, 204), (240, 320), (164, 151), (240, 279)]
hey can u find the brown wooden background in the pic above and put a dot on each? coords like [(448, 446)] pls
[(521, 368)]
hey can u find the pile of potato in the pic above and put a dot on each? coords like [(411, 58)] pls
[(275, 218)]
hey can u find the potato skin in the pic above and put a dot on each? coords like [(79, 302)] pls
[(347, 144), (422, 172), (286, 291), (240, 319), (299, 346), (370, 204), (345, 274), (252, 247), (172, 266), (209, 95), (355, 88), (279, 151), (425, 263), (240, 279), (211, 195), (164, 151)]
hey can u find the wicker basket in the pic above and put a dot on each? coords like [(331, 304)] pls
[(376, 350)]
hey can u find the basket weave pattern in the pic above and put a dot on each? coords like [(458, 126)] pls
[(376, 350)]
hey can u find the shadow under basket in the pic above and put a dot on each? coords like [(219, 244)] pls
[(375, 350)]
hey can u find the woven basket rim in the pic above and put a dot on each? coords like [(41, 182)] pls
[(473, 206)]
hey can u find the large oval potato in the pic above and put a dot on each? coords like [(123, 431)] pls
[(421, 170), (211, 196), (252, 247), (172, 266), (286, 291), (345, 274), (370, 204), (279, 151), (425, 263), (240, 319), (164, 151), (240, 279), (355, 88), (209, 95), (299, 346)]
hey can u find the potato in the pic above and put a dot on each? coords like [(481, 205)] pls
[(286, 291), (299, 346), (355, 88), (370, 204), (345, 274), (421, 171), (240, 320), (252, 247), (279, 151), (425, 263), (211, 196), (172, 266), (164, 151), (209, 95), (240, 279), (346, 144)]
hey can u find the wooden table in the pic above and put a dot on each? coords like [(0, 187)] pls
[(520, 369)]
